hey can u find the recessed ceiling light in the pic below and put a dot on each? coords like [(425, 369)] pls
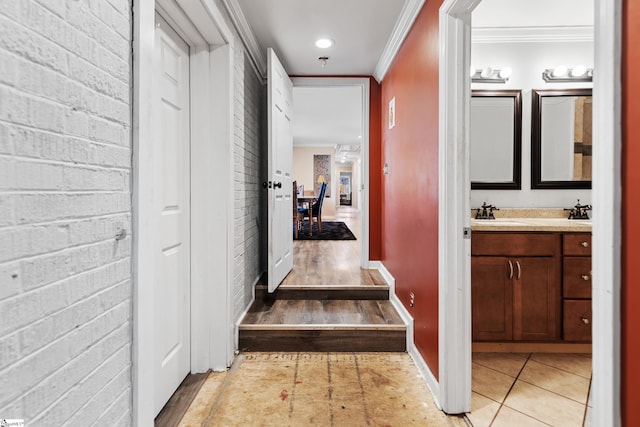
[(324, 43)]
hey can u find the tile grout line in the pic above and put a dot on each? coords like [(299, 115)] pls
[(542, 388), (586, 407), (364, 402), (557, 394), (560, 369), (510, 388)]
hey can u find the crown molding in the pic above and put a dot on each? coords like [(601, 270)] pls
[(532, 34), (256, 54), (407, 17)]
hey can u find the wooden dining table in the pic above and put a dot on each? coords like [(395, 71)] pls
[(308, 201)]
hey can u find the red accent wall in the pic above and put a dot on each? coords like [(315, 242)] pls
[(410, 190), (630, 298), (375, 166)]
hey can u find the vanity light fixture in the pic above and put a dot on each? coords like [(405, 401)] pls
[(561, 73), (490, 75)]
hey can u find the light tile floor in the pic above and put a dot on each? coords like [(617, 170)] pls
[(530, 389)]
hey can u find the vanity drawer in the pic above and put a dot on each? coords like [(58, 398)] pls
[(576, 276), (515, 244), (577, 320), (577, 244)]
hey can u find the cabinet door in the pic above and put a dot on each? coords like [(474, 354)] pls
[(536, 302), (492, 298)]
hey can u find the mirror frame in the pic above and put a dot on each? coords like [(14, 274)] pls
[(536, 139), (516, 183)]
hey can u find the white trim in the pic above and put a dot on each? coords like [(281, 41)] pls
[(454, 251), (406, 317), (236, 332), (144, 224), (364, 83), (211, 58), (257, 55), (533, 34), (408, 14), (606, 196)]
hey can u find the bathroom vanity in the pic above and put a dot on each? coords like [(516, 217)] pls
[(531, 280)]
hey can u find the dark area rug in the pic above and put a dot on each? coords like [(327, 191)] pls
[(330, 231)]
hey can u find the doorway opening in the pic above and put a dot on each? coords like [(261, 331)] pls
[(454, 329), (331, 123)]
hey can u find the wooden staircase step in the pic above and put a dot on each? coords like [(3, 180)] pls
[(326, 292), (322, 325), (333, 340)]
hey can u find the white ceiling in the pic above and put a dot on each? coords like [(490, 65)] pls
[(360, 29), (327, 115), (538, 13), (363, 31)]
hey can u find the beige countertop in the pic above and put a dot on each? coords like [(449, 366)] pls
[(540, 219), (531, 224)]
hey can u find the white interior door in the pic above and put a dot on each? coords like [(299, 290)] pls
[(279, 183), (172, 194)]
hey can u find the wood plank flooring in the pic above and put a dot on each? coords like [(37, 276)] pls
[(180, 401), (327, 303)]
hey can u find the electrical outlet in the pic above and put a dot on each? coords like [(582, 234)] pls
[(412, 299)]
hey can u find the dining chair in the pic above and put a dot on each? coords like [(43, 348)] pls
[(316, 208), (298, 216)]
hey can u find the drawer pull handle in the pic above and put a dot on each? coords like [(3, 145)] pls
[(510, 269), (585, 320), (584, 244), (585, 277), (519, 270)]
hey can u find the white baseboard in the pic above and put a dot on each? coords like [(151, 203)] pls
[(422, 366), (236, 329)]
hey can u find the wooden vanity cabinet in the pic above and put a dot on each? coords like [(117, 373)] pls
[(516, 286), (576, 277)]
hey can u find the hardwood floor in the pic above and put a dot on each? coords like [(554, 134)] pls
[(177, 406), (330, 262), (327, 303)]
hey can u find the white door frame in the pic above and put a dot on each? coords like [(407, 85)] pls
[(364, 83), (454, 281), (202, 25)]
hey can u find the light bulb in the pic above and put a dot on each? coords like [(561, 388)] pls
[(472, 71), (505, 73), (324, 43), (486, 72), (578, 71), (559, 71)]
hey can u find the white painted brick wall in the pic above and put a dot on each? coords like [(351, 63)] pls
[(248, 131), (65, 170)]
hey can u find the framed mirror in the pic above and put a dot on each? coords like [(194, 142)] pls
[(495, 139), (561, 139)]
